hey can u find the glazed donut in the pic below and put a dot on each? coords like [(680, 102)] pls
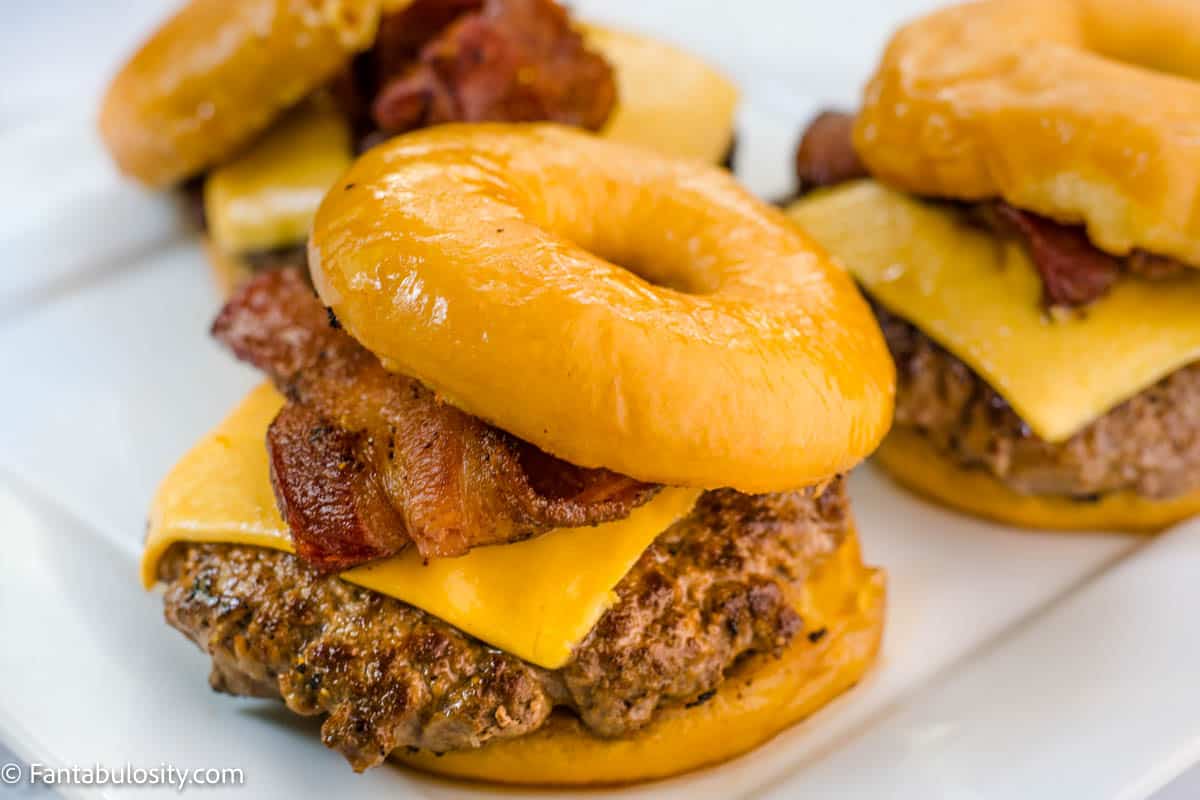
[(552, 282), (219, 72), (1084, 111)]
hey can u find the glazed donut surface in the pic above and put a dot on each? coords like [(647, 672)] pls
[(612, 306), (219, 72), (1085, 111)]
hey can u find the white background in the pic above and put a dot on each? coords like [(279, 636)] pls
[(56, 55)]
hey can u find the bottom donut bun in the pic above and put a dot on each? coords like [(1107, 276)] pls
[(912, 461), (761, 697)]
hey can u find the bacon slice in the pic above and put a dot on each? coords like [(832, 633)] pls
[(323, 485), (826, 155), (364, 461), (1073, 271), (496, 61)]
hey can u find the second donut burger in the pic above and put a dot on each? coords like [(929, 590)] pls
[(1031, 243), (258, 105), (551, 490)]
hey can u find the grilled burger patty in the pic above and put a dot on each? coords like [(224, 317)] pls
[(1150, 444), (718, 585)]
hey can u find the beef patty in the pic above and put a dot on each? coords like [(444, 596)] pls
[(713, 588), (1150, 444)]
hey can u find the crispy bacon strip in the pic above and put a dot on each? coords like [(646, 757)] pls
[(364, 461), (322, 484), (496, 61)]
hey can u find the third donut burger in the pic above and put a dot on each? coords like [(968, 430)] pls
[(256, 106), (1017, 196), (546, 486)]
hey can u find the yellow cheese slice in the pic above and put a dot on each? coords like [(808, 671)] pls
[(536, 599), (265, 199), (667, 99), (980, 298)]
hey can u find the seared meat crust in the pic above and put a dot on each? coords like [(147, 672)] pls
[(716, 586), (364, 461), (1150, 444)]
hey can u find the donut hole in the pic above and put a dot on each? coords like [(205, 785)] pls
[(678, 250), (659, 269)]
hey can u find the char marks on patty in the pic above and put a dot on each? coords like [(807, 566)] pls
[(364, 461), (716, 586), (1150, 444)]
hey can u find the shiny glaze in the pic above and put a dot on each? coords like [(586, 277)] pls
[(1079, 110), (484, 261), (218, 72)]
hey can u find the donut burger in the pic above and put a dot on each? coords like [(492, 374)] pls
[(546, 485), (1017, 196), (257, 106)]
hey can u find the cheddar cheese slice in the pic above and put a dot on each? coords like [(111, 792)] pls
[(980, 298), (265, 199), (668, 100), (536, 599)]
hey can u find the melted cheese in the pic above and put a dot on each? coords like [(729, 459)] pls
[(535, 599), (667, 100), (980, 298), (266, 198)]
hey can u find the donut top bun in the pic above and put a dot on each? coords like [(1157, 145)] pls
[(1083, 111), (614, 307), (218, 72)]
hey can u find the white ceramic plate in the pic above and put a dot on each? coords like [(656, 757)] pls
[(1015, 664)]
